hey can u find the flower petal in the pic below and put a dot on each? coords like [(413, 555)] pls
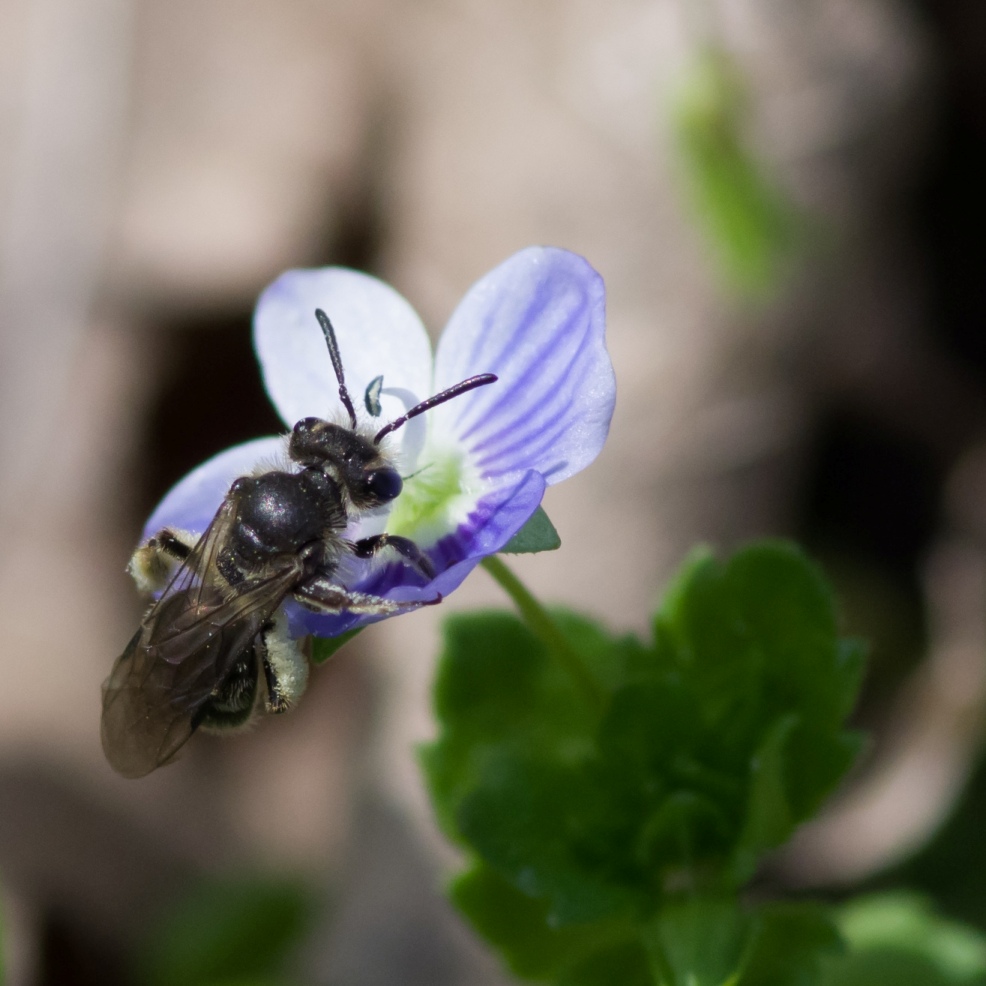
[(538, 322), (378, 333), (193, 501)]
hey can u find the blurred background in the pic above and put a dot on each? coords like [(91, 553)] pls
[(785, 198)]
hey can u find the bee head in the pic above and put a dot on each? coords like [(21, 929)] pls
[(352, 459)]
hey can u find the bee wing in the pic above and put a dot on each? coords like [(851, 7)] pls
[(187, 644)]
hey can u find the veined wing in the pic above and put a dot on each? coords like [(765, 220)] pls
[(186, 646)]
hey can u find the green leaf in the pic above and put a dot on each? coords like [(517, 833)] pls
[(625, 964), (790, 944), (497, 689), (698, 942), (538, 534), (898, 940), (230, 930), (592, 954), (704, 750), (756, 640), (752, 228), (552, 831), (518, 924), (325, 647), (768, 818)]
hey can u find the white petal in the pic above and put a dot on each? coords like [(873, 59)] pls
[(378, 333)]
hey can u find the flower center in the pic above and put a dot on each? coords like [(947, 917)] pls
[(434, 501)]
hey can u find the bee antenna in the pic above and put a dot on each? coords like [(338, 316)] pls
[(330, 341), (446, 395)]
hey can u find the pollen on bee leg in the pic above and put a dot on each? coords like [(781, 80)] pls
[(285, 665), (154, 562)]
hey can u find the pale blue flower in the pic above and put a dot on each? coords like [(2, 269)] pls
[(475, 468)]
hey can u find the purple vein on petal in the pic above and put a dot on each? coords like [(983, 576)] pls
[(530, 447), (537, 305), (532, 376), (557, 403)]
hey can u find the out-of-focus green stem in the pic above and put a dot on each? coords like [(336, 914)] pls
[(546, 629)]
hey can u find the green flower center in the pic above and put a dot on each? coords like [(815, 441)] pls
[(434, 500)]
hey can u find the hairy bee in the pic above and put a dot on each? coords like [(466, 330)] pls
[(217, 625)]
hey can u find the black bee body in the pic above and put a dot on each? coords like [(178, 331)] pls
[(197, 656)]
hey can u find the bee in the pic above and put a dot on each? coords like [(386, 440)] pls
[(217, 625)]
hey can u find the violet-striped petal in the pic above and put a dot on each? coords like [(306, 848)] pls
[(537, 321)]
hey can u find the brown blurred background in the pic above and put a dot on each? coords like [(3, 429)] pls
[(162, 160)]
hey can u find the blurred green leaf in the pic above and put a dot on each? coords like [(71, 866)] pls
[(898, 940), (789, 946), (236, 930), (538, 534), (625, 964), (699, 942), (768, 819), (750, 224), (518, 925)]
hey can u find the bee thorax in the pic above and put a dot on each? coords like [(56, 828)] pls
[(279, 513)]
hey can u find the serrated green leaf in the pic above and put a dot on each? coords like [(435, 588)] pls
[(325, 647), (538, 534), (707, 748), (756, 640), (227, 930)]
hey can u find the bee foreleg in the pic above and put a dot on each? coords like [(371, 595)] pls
[(368, 547), (323, 596)]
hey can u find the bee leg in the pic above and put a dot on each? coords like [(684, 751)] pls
[(233, 701), (368, 547), (153, 563), (171, 543), (285, 665), (324, 596)]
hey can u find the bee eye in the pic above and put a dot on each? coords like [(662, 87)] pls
[(384, 484)]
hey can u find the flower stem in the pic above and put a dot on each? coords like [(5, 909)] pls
[(544, 627)]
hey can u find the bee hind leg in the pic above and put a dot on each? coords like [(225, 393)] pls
[(284, 662), (154, 562), (232, 703)]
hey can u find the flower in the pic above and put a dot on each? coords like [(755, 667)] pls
[(476, 467)]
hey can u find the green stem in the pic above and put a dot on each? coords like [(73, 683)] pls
[(546, 630)]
